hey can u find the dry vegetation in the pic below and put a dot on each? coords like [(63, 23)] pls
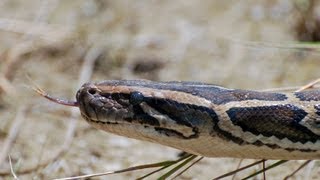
[(61, 44)]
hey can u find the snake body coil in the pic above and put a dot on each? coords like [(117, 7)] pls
[(207, 120)]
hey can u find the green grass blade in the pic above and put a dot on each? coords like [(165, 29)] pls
[(163, 177), (166, 164), (264, 170)]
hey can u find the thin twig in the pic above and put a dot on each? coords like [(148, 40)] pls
[(47, 32), (14, 57), (6, 86), (309, 85), (308, 170), (264, 169), (87, 67), (42, 149), (239, 164), (293, 88), (267, 168), (297, 170), (45, 9), (11, 168), (13, 133)]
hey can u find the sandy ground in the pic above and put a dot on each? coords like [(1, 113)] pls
[(61, 44)]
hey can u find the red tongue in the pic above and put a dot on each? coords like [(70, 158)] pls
[(56, 100)]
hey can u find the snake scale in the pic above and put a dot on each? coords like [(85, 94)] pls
[(205, 119)]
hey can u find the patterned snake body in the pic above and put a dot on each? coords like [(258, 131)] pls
[(207, 120)]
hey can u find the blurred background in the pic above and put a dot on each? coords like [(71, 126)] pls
[(59, 45)]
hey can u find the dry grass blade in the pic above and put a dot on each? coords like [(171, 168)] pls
[(239, 164), (134, 168), (13, 133), (91, 56), (11, 169), (297, 170), (308, 169), (265, 169), (294, 88), (48, 32), (283, 45), (6, 86), (308, 86), (238, 170)]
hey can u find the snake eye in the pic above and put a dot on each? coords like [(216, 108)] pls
[(136, 98)]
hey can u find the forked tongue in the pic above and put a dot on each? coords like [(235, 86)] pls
[(56, 100)]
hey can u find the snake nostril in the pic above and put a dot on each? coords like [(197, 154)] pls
[(92, 91)]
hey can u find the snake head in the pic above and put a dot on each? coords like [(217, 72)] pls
[(101, 106), (137, 110)]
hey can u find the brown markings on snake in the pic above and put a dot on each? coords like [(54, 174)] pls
[(223, 97), (317, 107), (317, 121), (310, 95), (228, 136), (215, 94), (184, 114), (274, 146), (188, 115), (281, 121), (177, 134)]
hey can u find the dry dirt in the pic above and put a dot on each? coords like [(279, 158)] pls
[(237, 44)]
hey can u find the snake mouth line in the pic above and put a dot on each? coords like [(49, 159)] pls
[(160, 130)]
